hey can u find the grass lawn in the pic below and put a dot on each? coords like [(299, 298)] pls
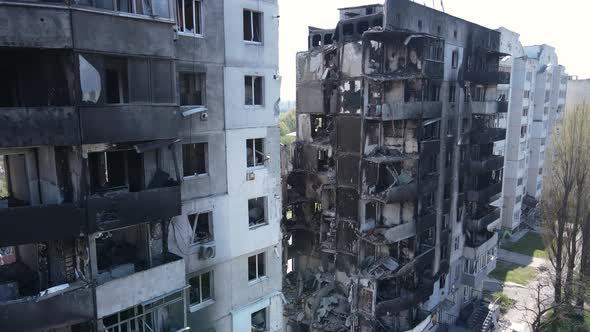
[(531, 245), (517, 274), (566, 323)]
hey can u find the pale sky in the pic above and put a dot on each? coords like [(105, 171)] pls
[(564, 24)]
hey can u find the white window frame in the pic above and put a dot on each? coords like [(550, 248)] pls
[(194, 227), (253, 42), (181, 27), (253, 96), (254, 152), (197, 306), (258, 276), (265, 202)]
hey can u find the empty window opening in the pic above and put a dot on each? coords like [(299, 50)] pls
[(455, 59), (328, 39), (438, 30), (290, 267), (420, 25), (435, 50), (434, 92), (116, 83), (523, 131), (348, 29), (362, 27), (255, 152), (195, 159), (192, 89), (316, 41), (256, 267), (455, 34), (377, 22), (201, 290), (114, 170), (252, 26), (325, 160), (253, 90), (14, 182), (189, 16), (258, 321), (431, 131), (201, 227), (527, 94), (452, 93), (525, 111), (257, 211), (122, 252)]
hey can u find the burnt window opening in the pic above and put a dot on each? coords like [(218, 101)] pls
[(257, 212), (446, 222), (192, 88), (428, 200), (449, 160), (369, 11), (434, 92), (115, 170), (325, 160), (452, 93), (14, 181), (438, 30), (252, 26), (328, 39), (455, 59), (478, 93), (256, 267), (201, 226), (523, 131), (258, 321), (34, 78), (122, 252), (435, 50), (348, 29), (319, 125), (316, 41), (428, 237), (414, 90), (432, 164), (431, 131), (377, 22), (255, 152), (116, 82), (361, 27), (253, 90), (525, 111), (195, 159), (189, 16), (201, 288), (420, 25), (371, 212), (455, 34)]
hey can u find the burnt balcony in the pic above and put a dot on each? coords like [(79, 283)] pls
[(489, 163), (480, 244), (488, 107), (480, 221), (407, 300), (487, 77), (115, 209), (405, 110), (397, 193), (426, 220), (487, 135), (39, 223), (485, 193), (64, 305)]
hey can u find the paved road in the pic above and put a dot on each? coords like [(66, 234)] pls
[(520, 259)]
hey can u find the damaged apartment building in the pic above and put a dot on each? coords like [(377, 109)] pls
[(394, 172), (129, 198)]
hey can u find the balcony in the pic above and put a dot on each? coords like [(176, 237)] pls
[(128, 123), (485, 194), (487, 135), (62, 307), (407, 301), (33, 126), (116, 209), (488, 107), (41, 223), (487, 77), (476, 280), (479, 247), (488, 164), (482, 220), (405, 111), (122, 293)]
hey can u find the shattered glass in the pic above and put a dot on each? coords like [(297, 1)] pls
[(90, 82)]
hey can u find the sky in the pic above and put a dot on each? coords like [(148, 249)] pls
[(563, 24)]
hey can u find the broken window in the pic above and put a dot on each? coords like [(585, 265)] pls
[(90, 83), (195, 159), (192, 89), (201, 226), (316, 40), (328, 39), (255, 152), (122, 252), (252, 26), (256, 267), (253, 90), (116, 83), (257, 211), (428, 200), (435, 50), (112, 170), (348, 29), (258, 321), (189, 16), (201, 289), (455, 59), (361, 27), (431, 130), (14, 181)]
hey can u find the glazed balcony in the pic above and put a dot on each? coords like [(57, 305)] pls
[(404, 111), (482, 220), (488, 107), (481, 245), (475, 280), (487, 77), (487, 135), (490, 163)]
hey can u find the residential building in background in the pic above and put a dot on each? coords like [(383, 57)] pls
[(578, 92), (536, 96), (130, 199), (395, 172)]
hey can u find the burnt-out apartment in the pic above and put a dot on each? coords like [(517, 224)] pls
[(113, 175), (395, 179)]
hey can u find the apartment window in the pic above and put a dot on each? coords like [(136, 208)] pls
[(527, 94), (258, 321), (256, 267), (189, 16), (529, 76), (115, 170), (192, 89), (546, 110), (201, 289), (452, 93), (117, 91), (517, 216), (541, 171), (457, 242), (257, 211), (252, 26), (523, 131), (518, 199), (455, 59), (255, 152), (201, 227), (253, 90), (446, 219), (519, 182), (543, 140), (194, 159), (547, 96), (525, 111), (428, 200)]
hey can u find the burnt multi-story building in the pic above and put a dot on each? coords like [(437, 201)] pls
[(118, 166), (395, 179)]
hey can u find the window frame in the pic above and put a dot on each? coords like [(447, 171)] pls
[(203, 302), (261, 27), (206, 161), (259, 276), (203, 83), (181, 28), (256, 165), (266, 316), (265, 205), (253, 79), (211, 239)]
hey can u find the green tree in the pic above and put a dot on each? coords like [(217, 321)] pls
[(287, 124)]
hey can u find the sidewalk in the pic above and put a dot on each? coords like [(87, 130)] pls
[(520, 259)]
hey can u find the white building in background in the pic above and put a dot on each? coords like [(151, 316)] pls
[(578, 92), (536, 96)]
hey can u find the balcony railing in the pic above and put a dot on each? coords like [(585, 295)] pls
[(484, 194), (488, 77), (481, 221), (488, 107), (475, 248), (487, 135), (488, 164), (404, 111), (476, 280)]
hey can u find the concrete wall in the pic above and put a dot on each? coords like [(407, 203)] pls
[(578, 92)]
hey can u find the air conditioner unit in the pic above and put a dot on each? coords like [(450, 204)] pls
[(206, 252)]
